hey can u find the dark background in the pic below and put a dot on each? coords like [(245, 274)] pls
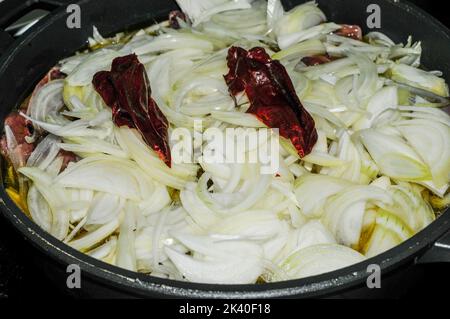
[(19, 278)]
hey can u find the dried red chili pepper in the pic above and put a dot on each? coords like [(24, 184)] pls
[(126, 89), (272, 96), (173, 19), (350, 31)]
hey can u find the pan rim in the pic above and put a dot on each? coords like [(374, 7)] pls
[(142, 284)]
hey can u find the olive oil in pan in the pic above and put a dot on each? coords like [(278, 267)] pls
[(16, 186)]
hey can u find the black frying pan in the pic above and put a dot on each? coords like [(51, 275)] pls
[(24, 61)]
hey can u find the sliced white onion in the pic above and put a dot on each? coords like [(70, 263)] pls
[(419, 79), (312, 192), (344, 212), (92, 145), (167, 42), (175, 177), (104, 208), (39, 209), (201, 10), (45, 152), (99, 61), (319, 259), (97, 236), (239, 119), (260, 226), (105, 251), (214, 261), (314, 233), (410, 207), (306, 48), (300, 18), (126, 254), (394, 157), (104, 174), (55, 197), (199, 212), (389, 232), (430, 140), (275, 11), (46, 103), (384, 99)]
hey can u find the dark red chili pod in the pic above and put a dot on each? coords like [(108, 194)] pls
[(272, 96), (126, 89)]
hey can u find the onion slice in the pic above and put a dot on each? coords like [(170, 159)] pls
[(319, 259)]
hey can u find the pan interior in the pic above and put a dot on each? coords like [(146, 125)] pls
[(25, 63)]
